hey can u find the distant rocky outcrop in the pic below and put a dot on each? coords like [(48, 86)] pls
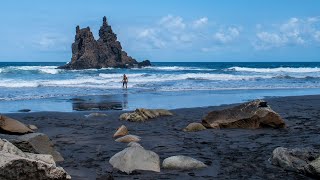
[(88, 53)]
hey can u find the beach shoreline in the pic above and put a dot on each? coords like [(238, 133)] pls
[(87, 143)]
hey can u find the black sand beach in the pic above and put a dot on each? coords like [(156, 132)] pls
[(87, 143)]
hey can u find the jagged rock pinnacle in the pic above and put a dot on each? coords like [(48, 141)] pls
[(105, 52)]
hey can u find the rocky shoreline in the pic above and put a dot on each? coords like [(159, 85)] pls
[(86, 141)]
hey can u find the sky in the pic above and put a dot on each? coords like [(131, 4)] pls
[(166, 30)]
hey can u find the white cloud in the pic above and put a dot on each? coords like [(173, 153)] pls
[(171, 32), (200, 22), (172, 23), (152, 37), (51, 41), (227, 35), (294, 32)]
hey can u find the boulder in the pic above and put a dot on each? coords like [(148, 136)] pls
[(134, 158), (301, 160), (192, 127), (95, 115), (12, 126), (255, 114), (15, 164), (140, 115), (128, 138), (182, 162), (102, 53), (121, 131), (36, 143)]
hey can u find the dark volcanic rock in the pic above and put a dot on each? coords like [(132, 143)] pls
[(255, 114), (105, 52)]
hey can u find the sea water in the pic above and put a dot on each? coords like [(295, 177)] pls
[(43, 87)]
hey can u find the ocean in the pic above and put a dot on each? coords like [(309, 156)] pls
[(43, 87)]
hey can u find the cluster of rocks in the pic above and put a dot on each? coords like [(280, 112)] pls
[(135, 157), (27, 155), (140, 115), (88, 53)]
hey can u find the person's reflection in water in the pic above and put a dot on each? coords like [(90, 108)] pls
[(125, 100)]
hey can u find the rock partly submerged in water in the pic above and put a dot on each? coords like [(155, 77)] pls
[(255, 114), (128, 138), (135, 157), (36, 143), (193, 127), (15, 164), (121, 131), (140, 115), (182, 162), (302, 160), (12, 126)]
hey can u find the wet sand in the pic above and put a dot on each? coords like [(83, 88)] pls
[(87, 143)]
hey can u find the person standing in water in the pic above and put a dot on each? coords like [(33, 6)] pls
[(125, 81)]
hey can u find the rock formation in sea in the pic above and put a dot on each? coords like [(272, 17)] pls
[(88, 53)]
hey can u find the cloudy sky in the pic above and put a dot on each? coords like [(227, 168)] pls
[(166, 30)]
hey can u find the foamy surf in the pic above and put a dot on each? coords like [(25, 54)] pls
[(275, 70)]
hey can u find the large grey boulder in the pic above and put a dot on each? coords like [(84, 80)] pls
[(15, 164), (135, 157), (12, 126), (301, 160), (140, 115), (255, 114), (182, 162)]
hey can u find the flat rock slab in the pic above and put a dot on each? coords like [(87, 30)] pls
[(254, 114), (128, 138)]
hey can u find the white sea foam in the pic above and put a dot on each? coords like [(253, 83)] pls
[(176, 68), (275, 70), (41, 69), (113, 80)]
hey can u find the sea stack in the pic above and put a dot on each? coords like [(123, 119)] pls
[(88, 53)]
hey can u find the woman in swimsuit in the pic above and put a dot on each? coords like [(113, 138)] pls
[(125, 81)]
